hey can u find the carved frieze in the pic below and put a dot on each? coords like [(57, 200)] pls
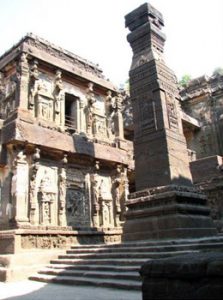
[(45, 241), (172, 112), (64, 55)]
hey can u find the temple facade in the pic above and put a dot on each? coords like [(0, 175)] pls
[(67, 163), (64, 158)]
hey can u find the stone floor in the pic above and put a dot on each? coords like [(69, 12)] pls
[(31, 290)]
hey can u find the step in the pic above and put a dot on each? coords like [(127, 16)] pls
[(95, 274), (143, 248), (109, 283), (123, 255), (95, 267), (154, 243), (117, 262)]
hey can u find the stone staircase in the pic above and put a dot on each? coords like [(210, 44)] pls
[(116, 265)]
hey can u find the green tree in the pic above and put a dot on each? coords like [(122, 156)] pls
[(185, 80)]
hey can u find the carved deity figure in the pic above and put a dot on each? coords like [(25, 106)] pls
[(90, 108), (46, 199), (110, 108), (62, 197), (57, 91), (2, 86), (95, 190), (34, 84), (32, 187)]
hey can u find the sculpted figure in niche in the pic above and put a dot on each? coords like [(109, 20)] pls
[(111, 106), (90, 107), (46, 199), (62, 197), (117, 183), (34, 84), (57, 91), (95, 192)]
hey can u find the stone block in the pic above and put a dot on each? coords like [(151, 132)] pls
[(211, 165), (190, 276)]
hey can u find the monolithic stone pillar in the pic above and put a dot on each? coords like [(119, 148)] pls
[(165, 204)]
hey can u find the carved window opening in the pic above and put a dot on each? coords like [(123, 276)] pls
[(71, 111)]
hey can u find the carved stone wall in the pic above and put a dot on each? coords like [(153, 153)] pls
[(55, 104), (8, 94), (77, 199), (202, 99)]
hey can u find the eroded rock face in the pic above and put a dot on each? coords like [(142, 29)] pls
[(191, 276)]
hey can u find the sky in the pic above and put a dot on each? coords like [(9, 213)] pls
[(95, 30)]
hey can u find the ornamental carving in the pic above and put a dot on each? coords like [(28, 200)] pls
[(34, 85), (47, 200), (90, 108), (172, 112), (58, 87)]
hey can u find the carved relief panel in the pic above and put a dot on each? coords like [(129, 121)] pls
[(172, 112), (46, 97), (77, 199), (102, 201), (8, 95), (47, 195)]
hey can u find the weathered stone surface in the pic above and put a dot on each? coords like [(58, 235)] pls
[(66, 160), (210, 181), (159, 144), (202, 100), (191, 276), (162, 207), (167, 212)]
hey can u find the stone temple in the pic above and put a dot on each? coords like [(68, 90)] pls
[(69, 176)]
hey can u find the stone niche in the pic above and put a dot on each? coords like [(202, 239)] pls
[(47, 195)]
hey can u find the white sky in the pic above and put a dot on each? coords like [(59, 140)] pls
[(94, 29)]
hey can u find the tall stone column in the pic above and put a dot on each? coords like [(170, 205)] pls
[(165, 204)]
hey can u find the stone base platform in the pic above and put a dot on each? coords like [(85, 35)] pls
[(20, 266), (167, 212), (191, 276), (25, 250)]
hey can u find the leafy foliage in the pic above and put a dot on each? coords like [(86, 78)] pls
[(184, 80), (218, 71)]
